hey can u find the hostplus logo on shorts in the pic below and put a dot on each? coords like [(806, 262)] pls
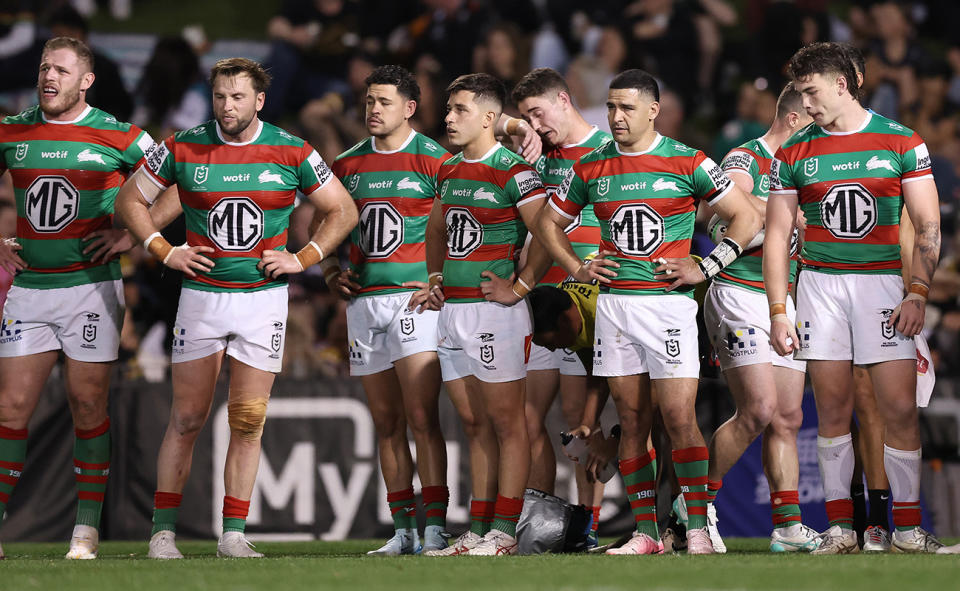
[(738, 342), (803, 332), (10, 331), (178, 340)]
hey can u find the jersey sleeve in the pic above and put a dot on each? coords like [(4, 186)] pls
[(740, 160), (133, 156), (524, 185), (571, 196), (709, 181), (915, 162), (781, 175), (314, 172), (160, 164)]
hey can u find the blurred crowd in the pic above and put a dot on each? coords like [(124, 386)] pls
[(719, 62)]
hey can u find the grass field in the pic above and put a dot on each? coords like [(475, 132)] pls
[(341, 565)]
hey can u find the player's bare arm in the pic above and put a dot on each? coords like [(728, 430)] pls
[(530, 144), (536, 264), (554, 238), (337, 214), (109, 243), (781, 213), (133, 207), (923, 207), (430, 297)]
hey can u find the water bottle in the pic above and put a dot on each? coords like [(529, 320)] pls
[(574, 446)]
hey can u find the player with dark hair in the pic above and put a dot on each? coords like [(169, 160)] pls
[(488, 199), (67, 160), (392, 178), (644, 189), (237, 178), (851, 171), (767, 388)]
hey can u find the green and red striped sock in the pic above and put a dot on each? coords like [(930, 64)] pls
[(595, 524), (906, 515), (13, 452), (435, 500), (840, 512), (403, 508), (235, 514), (91, 466), (481, 515), (166, 506), (506, 514), (713, 487), (785, 508), (690, 465), (640, 475)]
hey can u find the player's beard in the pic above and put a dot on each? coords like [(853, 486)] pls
[(239, 127), (65, 100)]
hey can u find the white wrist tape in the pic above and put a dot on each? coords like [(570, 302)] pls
[(725, 253), (146, 243)]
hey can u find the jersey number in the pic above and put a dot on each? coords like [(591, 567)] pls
[(381, 229), (637, 229), (235, 224), (52, 202)]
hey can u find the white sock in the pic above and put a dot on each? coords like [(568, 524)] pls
[(835, 457), (903, 472)]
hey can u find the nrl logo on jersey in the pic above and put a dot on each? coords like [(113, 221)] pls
[(603, 186), (354, 183), (200, 174), (811, 166), (875, 163), (443, 188), (90, 156), (22, 151), (406, 183), (270, 177)]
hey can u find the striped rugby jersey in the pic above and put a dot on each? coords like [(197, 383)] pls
[(237, 198), (849, 186), (646, 203), (66, 176), (394, 192), (553, 166), (480, 201), (753, 158)]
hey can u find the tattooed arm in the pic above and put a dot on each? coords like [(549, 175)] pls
[(923, 207)]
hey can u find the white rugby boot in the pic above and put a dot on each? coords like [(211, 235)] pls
[(638, 544), (876, 539), (84, 543), (435, 538), (404, 541), (915, 541), (718, 546), (462, 545), (796, 538), (163, 546), (233, 544), (496, 543), (699, 542), (837, 540)]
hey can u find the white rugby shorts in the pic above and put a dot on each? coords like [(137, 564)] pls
[(484, 339), (382, 330)]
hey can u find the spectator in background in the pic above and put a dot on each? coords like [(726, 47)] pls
[(892, 60), (19, 47), (446, 33), (590, 74), (172, 95), (503, 53), (108, 94), (755, 104), (333, 126), (311, 41)]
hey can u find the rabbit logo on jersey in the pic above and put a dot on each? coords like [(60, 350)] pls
[(235, 224)]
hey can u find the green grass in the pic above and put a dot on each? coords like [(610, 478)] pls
[(341, 565)]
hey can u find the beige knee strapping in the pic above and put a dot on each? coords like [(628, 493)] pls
[(246, 417)]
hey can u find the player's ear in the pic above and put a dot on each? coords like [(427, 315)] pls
[(86, 81), (841, 84), (261, 97), (654, 110), (409, 109)]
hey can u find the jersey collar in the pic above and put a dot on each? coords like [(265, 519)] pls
[(253, 139), (656, 142), (766, 147), (589, 135), (406, 142), (866, 121), (83, 114), (489, 153)]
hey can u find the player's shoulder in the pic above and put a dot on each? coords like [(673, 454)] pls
[(505, 159), (598, 138), (273, 135), (25, 117), (105, 121), (360, 148), (811, 132), (880, 124), (426, 146), (608, 149), (453, 160), (204, 133)]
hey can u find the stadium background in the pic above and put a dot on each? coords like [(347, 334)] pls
[(719, 62)]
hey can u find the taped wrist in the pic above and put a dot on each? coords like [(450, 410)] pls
[(725, 253), (158, 246), (520, 288), (330, 267), (310, 254), (246, 417)]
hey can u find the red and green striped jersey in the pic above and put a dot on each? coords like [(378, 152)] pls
[(646, 203), (752, 158), (849, 186), (66, 175), (237, 198), (553, 167), (481, 200), (394, 192)]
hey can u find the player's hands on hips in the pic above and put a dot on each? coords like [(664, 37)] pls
[(418, 299), (345, 285), (9, 259), (107, 244), (435, 295), (683, 271), (783, 335), (908, 316), (599, 268), (275, 263), (188, 260), (531, 146), (499, 290)]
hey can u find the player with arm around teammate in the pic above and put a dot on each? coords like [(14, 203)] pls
[(237, 177)]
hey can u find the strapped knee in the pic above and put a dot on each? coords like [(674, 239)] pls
[(246, 417)]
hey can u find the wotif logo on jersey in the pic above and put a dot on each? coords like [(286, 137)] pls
[(200, 174)]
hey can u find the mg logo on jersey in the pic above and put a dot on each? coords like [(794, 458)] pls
[(849, 211), (381, 229), (637, 229), (810, 166), (22, 151), (464, 232), (603, 186), (235, 224), (200, 174), (51, 203)]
